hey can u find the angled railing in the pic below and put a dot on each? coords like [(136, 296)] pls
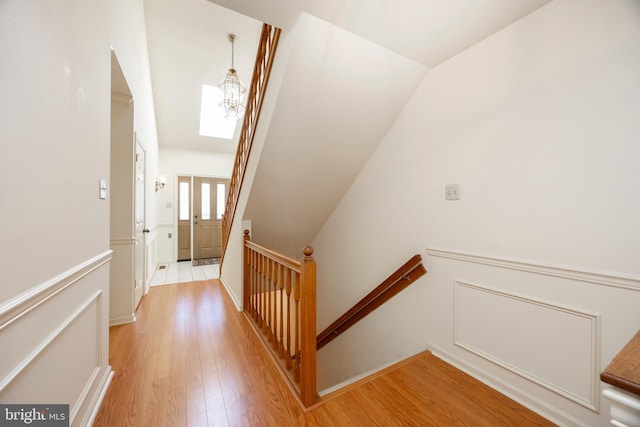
[(280, 299), (410, 271), (259, 80)]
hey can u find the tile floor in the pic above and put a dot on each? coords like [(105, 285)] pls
[(183, 271)]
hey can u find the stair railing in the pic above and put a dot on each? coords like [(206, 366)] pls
[(410, 271), (255, 95), (280, 299)]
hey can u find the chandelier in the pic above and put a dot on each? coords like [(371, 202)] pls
[(232, 90)]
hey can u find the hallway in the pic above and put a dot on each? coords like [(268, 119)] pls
[(191, 359), (182, 272)]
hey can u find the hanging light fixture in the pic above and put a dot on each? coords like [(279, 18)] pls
[(232, 89)]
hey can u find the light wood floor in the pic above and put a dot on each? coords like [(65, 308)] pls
[(192, 360)]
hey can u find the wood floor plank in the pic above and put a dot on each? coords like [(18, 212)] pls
[(192, 360)]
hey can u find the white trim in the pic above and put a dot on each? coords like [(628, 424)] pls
[(359, 377), (593, 400), (598, 278), (622, 398), (100, 397), (122, 320), (30, 359), (239, 306), (75, 408), (123, 241), (552, 413), (27, 301)]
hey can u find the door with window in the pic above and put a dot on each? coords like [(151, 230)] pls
[(201, 206)]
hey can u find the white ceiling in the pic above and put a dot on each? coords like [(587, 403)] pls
[(188, 44), (426, 31), (347, 68), (188, 47)]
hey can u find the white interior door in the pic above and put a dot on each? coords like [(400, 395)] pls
[(139, 268)]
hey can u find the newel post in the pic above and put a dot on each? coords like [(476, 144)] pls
[(246, 272), (308, 392)]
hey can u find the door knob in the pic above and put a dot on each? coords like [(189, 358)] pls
[(146, 230)]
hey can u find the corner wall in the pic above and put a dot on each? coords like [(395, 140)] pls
[(128, 38), (533, 282), (54, 149)]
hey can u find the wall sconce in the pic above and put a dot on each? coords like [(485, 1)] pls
[(160, 182)]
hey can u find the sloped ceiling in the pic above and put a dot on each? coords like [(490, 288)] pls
[(425, 31), (340, 94), (188, 47), (352, 67)]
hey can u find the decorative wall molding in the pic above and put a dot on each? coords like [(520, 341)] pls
[(46, 343), (508, 327), (598, 278), (123, 320), (124, 241), (24, 303), (122, 99)]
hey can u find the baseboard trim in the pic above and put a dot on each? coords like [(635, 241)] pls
[(239, 306), (350, 384), (123, 320), (538, 406), (108, 377)]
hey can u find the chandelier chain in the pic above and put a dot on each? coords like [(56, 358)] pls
[(232, 39)]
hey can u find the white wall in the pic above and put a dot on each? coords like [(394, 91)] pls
[(128, 39), (173, 163), (54, 148), (533, 282)]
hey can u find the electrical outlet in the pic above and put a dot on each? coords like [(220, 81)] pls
[(452, 192)]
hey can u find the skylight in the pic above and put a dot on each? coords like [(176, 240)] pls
[(212, 121)]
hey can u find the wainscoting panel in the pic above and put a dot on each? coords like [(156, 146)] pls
[(54, 341), (554, 346), (121, 298)]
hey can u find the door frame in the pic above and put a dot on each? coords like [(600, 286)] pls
[(176, 205), (140, 229)]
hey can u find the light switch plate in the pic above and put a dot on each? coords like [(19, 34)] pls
[(102, 186), (452, 192)]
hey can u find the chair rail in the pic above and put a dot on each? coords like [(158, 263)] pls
[(399, 280)]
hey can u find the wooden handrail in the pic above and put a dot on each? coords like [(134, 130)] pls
[(624, 370), (255, 96), (399, 280), (280, 299)]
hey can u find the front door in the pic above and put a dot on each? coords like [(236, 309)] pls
[(200, 222), (139, 268), (205, 230)]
